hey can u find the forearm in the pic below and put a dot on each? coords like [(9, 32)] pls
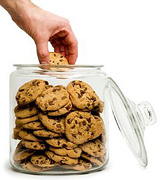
[(15, 6)]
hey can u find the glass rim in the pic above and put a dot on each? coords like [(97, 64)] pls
[(57, 66)]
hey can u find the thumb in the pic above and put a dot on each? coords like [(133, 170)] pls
[(43, 52)]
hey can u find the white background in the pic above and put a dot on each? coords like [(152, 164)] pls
[(123, 35)]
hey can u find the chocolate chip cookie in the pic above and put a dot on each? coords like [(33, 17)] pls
[(73, 153), (83, 96), (82, 165), (57, 59), (53, 98), (94, 148), (61, 143), (61, 111), (29, 136), (46, 133), (61, 159), (28, 92), (16, 131), (36, 125), (41, 160), (25, 112), (95, 161), (34, 145), (22, 155), (55, 124), (82, 127), (30, 167), (20, 122)]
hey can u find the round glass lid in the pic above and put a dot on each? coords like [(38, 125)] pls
[(131, 120)]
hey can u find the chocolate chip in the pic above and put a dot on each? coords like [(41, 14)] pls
[(79, 85), (88, 104), (87, 129), (58, 126), (84, 123), (82, 92), (58, 142), (41, 162), (46, 83), (74, 135), (43, 95), (73, 83), (35, 83), (54, 99), (24, 100), (69, 121), (51, 103), (54, 90), (64, 97), (92, 134), (79, 123), (68, 107), (88, 119), (61, 162), (81, 117), (64, 146), (42, 145), (79, 133), (20, 90), (58, 87), (89, 125), (73, 126), (93, 98)]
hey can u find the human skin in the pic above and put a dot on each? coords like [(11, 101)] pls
[(43, 27)]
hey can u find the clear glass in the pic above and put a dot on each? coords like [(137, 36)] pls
[(58, 75), (131, 119)]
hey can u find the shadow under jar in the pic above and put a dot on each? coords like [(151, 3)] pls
[(58, 119)]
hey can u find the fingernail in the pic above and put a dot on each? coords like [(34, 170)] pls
[(43, 62)]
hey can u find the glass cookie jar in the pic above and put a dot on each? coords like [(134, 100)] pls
[(59, 119)]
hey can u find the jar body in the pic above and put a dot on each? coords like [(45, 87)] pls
[(88, 154)]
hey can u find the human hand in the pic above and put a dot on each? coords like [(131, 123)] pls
[(46, 27)]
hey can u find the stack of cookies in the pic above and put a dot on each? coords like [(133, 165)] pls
[(58, 127)]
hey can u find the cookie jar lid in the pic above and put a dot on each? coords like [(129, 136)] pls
[(131, 120)]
